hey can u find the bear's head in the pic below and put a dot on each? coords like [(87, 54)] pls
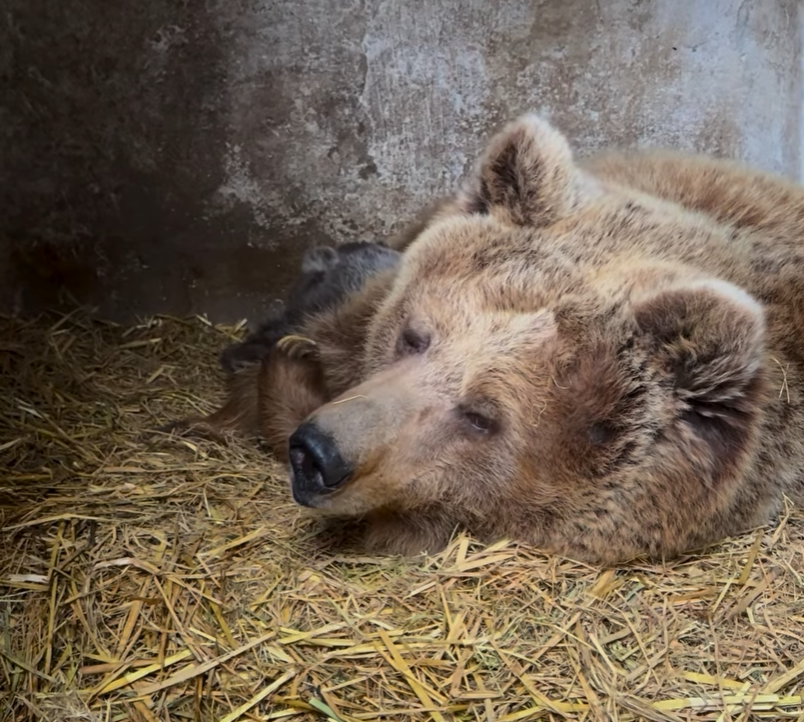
[(541, 368)]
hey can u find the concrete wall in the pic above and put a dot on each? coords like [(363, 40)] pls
[(166, 156)]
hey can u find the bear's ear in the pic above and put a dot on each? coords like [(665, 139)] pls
[(526, 176), (709, 337), (319, 258)]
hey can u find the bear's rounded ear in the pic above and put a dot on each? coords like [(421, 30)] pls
[(526, 176), (709, 336), (319, 258)]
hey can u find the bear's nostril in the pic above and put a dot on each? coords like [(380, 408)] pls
[(304, 466), (315, 461)]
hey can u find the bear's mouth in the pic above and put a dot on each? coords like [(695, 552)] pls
[(304, 497)]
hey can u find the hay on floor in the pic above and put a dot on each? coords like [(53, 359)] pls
[(166, 579)]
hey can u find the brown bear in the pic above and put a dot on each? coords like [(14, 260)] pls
[(600, 358)]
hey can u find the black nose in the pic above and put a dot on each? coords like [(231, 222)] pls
[(316, 464)]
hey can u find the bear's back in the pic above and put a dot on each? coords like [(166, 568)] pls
[(760, 217)]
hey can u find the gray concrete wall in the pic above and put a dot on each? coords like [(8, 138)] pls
[(177, 157)]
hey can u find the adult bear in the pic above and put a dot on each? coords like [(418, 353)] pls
[(602, 359)]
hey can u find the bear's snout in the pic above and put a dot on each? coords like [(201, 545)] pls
[(317, 466)]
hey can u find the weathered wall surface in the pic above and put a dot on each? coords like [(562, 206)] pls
[(177, 157)]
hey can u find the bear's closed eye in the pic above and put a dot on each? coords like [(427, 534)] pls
[(601, 433), (412, 342)]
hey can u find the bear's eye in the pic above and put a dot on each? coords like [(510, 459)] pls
[(478, 422), (412, 342)]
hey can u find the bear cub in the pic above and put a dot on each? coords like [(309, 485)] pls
[(328, 275)]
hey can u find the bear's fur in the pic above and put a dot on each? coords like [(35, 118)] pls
[(603, 359), (302, 354), (328, 275)]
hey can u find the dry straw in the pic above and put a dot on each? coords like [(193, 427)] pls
[(153, 578)]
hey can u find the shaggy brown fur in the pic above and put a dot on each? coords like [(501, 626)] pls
[(328, 275), (269, 398), (301, 355), (602, 359), (304, 353)]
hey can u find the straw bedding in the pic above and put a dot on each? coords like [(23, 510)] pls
[(151, 578)]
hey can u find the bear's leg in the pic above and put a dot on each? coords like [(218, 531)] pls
[(291, 387), (296, 347), (239, 412)]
